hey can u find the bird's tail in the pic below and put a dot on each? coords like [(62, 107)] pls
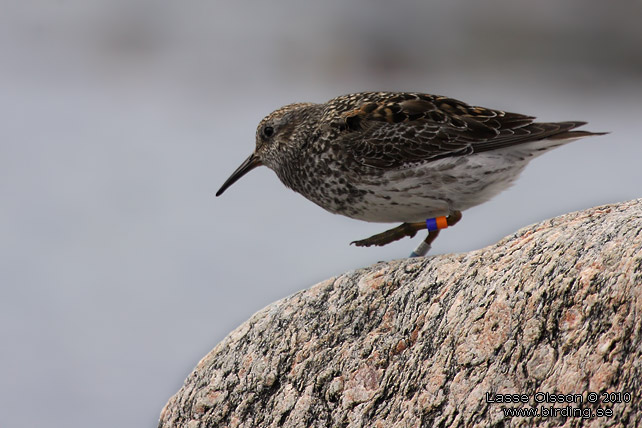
[(570, 134), (564, 135)]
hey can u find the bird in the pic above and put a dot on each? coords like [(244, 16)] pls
[(408, 157)]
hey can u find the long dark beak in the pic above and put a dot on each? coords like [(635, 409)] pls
[(248, 165)]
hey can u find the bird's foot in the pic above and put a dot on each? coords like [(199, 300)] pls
[(384, 238)]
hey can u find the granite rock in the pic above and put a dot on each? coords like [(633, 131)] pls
[(435, 342)]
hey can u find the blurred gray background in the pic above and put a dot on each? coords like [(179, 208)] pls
[(119, 269)]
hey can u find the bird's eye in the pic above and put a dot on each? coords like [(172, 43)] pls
[(268, 131)]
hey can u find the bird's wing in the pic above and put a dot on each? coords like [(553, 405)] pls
[(393, 130)]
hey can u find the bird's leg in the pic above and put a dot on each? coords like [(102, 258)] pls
[(410, 229), (425, 245), (453, 218), (380, 239)]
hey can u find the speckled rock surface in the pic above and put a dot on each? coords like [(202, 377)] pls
[(555, 308)]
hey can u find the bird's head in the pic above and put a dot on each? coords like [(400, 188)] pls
[(280, 132)]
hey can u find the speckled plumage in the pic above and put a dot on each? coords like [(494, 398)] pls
[(399, 157)]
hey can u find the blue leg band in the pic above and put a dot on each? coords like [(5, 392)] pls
[(431, 224)]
